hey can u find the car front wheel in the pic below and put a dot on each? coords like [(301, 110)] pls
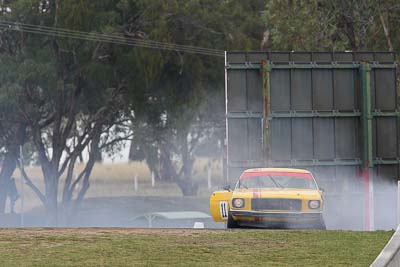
[(321, 224), (231, 222)]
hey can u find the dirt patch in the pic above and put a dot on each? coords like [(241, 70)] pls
[(34, 232)]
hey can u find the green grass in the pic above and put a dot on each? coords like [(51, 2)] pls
[(122, 247)]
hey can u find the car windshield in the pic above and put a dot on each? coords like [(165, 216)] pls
[(276, 181)]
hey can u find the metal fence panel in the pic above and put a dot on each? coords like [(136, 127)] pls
[(345, 138), (246, 140), (302, 138), (385, 99), (237, 130), (237, 98), (324, 139), (298, 83), (301, 94), (323, 89), (344, 90), (386, 138), (281, 139), (255, 140), (255, 101), (280, 92)]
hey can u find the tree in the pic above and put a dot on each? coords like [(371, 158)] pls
[(62, 101), (177, 86), (325, 25), (72, 95)]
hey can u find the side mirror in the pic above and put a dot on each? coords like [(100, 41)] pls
[(227, 188), (322, 190)]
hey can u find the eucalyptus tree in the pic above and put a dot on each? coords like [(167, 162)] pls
[(70, 93), (177, 88), (326, 25)]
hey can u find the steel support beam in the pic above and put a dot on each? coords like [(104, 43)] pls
[(315, 162), (314, 114), (300, 163), (312, 65), (386, 161), (308, 114), (244, 115), (385, 114), (366, 115), (267, 111)]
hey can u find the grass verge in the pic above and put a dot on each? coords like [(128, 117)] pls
[(135, 247)]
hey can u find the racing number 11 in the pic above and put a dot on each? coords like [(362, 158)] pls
[(223, 207)]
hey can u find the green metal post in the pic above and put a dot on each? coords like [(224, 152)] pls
[(366, 114), (368, 164), (267, 110)]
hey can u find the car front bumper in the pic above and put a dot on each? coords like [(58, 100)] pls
[(275, 219)]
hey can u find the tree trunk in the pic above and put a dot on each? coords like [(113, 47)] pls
[(97, 156), (7, 169), (94, 150), (386, 32), (348, 24), (10, 161), (188, 187), (184, 178), (152, 161), (136, 152), (51, 197)]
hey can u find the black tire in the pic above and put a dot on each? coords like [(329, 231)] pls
[(317, 225), (321, 224), (231, 222)]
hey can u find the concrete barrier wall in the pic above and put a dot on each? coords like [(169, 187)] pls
[(390, 255)]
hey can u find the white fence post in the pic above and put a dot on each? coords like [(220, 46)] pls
[(398, 202), (209, 176), (21, 162), (153, 179), (136, 182)]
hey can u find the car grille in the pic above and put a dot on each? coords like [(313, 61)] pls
[(276, 204)]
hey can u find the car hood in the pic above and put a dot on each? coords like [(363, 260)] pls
[(276, 193)]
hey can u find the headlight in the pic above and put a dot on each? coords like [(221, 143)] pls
[(238, 202), (314, 204)]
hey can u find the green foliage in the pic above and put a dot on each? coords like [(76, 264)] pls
[(326, 25), (170, 89)]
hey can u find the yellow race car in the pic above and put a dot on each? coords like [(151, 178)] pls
[(270, 198)]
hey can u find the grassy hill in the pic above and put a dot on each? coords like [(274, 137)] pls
[(179, 247)]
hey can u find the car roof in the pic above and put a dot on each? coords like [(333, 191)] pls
[(276, 170)]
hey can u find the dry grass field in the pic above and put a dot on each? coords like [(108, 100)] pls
[(117, 180)]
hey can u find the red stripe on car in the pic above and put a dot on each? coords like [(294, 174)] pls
[(256, 193), (291, 174)]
